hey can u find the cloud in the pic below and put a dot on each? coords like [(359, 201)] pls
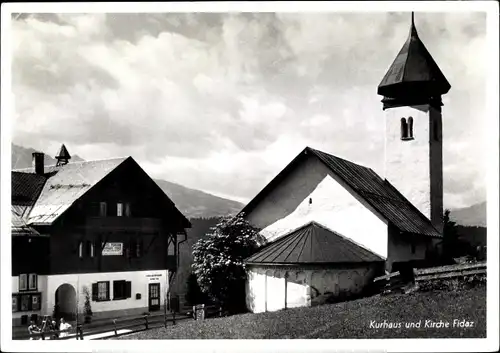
[(222, 102)]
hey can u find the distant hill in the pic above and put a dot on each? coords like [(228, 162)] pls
[(192, 203), (22, 157), (474, 215), (198, 204)]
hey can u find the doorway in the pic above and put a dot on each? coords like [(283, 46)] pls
[(154, 296), (65, 303)]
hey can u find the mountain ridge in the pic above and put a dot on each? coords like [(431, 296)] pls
[(199, 204), (191, 202)]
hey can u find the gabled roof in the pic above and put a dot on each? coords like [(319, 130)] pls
[(368, 185), (413, 72), (312, 244), (61, 186), (67, 184)]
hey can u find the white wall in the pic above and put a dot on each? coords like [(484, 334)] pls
[(408, 164), (332, 206), (276, 289), (139, 284), (41, 288)]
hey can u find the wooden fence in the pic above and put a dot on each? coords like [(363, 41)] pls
[(451, 271), (124, 326)]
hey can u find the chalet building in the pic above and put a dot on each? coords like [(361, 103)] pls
[(99, 227), (332, 225)]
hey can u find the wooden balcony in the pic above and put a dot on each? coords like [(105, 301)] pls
[(123, 223)]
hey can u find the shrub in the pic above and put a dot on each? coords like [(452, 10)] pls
[(218, 261), (87, 307)]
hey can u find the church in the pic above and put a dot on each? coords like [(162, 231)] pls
[(332, 225)]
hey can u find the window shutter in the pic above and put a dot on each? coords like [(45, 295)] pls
[(128, 289), (95, 292), (107, 291)]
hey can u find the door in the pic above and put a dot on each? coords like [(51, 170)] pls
[(154, 296)]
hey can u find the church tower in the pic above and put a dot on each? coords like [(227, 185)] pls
[(412, 90)]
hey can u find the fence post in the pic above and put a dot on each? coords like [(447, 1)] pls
[(146, 318), (81, 333), (43, 336)]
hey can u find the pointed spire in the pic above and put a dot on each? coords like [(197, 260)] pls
[(414, 75), (63, 156), (413, 29)]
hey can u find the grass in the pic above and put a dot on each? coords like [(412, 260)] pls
[(346, 320)]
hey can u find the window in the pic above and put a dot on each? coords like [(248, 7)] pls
[(103, 290), (404, 129), (122, 290), (23, 282), (410, 127), (32, 281), (100, 291), (119, 209), (407, 129), (35, 302), (90, 248), (127, 209), (15, 303), (103, 211), (26, 302)]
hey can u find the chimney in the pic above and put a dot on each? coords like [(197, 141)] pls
[(38, 162)]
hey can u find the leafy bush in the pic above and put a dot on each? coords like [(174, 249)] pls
[(87, 307), (218, 261)]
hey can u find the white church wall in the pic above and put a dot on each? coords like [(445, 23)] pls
[(276, 289), (324, 199), (408, 164), (285, 198)]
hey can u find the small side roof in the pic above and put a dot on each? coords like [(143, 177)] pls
[(313, 243)]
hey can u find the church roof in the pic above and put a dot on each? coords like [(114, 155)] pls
[(377, 193), (313, 244), (413, 72)]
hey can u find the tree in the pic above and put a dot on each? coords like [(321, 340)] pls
[(218, 261), (450, 237)]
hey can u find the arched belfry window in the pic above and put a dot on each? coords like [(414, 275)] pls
[(404, 129), (410, 127), (407, 129)]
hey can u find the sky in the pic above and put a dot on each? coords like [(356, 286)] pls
[(223, 102)]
